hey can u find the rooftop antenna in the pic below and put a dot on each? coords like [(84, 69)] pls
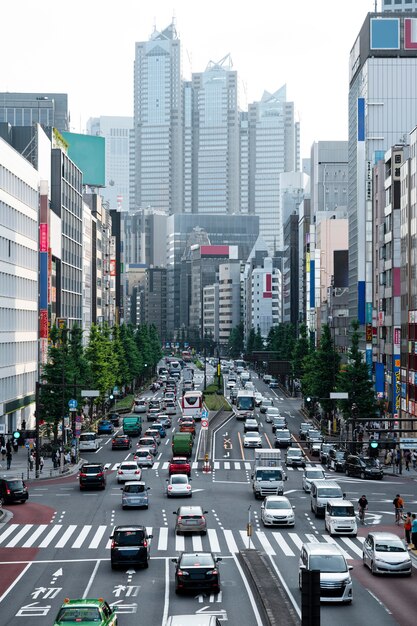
[(376, 7)]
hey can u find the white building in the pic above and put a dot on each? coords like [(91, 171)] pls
[(229, 299), (266, 302)]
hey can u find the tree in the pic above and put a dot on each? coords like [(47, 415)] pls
[(281, 340), (122, 374), (236, 341), (355, 380), (133, 358), (321, 370), (300, 352), (250, 343), (258, 345), (102, 361)]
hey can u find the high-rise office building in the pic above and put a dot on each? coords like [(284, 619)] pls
[(24, 109), (158, 122)]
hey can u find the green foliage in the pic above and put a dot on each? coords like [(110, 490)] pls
[(321, 370), (355, 380), (250, 343), (216, 403), (281, 340), (102, 359), (236, 341), (300, 352), (132, 355)]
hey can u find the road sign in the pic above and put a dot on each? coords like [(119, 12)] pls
[(90, 393), (72, 404), (204, 424), (204, 414), (339, 395)]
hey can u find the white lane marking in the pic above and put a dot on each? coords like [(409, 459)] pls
[(296, 539), (226, 465), (26, 528), (283, 544), (216, 465), (214, 542), (163, 539), (352, 546), (15, 582), (197, 543), (29, 542), (248, 466), (97, 537), (166, 594), (284, 584), (90, 582), (165, 465), (265, 543), (155, 465), (67, 534), (8, 532), (179, 543), (55, 530), (81, 537), (333, 541), (237, 465), (231, 544), (312, 538), (252, 601)]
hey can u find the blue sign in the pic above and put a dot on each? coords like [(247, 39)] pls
[(204, 413), (72, 404)]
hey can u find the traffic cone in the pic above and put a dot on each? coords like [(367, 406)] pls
[(206, 466)]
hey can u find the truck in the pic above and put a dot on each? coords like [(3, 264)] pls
[(182, 444), (267, 481), (132, 425), (267, 457)]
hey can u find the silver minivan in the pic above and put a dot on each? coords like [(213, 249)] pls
[(320, 492), (335, 579)]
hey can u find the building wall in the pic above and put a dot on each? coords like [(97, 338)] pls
[(229, 299)]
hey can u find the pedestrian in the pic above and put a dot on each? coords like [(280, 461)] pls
[(407, 528), (414, 459), (41, 463), (399, 461), (9, 457), (67, 457), (15, 446), (73, 455), (31, 460), (23, 426), (407, 456), (2, 441), (414, 530), (9, 446), (388, 457), (3, 452)]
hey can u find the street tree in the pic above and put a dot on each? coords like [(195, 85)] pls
[(236, 341), (321, 370), (299, 353), (102, 360), (132, 355)]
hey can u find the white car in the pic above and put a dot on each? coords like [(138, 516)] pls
[(309, 474), (144, 457), (230, 384), (179, 485), (258, 398), (277, 511), (252, 439), (128, 470)]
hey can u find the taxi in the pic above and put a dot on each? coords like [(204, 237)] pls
[(88, 611)]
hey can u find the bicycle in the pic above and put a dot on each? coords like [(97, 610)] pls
[(399, 516), (361, 514)]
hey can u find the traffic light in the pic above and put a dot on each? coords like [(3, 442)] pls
[(373, 448)]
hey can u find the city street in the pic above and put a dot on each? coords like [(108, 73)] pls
[(57, 545)]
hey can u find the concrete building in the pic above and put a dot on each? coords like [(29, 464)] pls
[(211, 311), (156, 299), (395, 6), (229, 302), (290, 274), (118, 133), (144, 236), (50, 110)]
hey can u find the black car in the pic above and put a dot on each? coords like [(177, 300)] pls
[(324, 452), (364, 467), (197, 570), (121, 442), (92, 475), (304, 428), (114, 418), (278, 423), (283, 438), (336, 460), (13, 489), (130, 546)]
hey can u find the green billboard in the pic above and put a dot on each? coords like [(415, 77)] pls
[(88, 153)]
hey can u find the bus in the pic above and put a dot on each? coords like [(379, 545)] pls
[(192, 404), (245, 404)]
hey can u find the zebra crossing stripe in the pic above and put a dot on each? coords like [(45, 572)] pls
[(23, 531), (352, 546), (312, 538), (296, 539), (66, 536), (237, 465), (107, 466), (163, 539), (179, 543), (231, 544), (81, 537), (197, 543), (165, 465), (214, 542), (283, 544), (8, 532), (97, 537), (226, 465), (156, 465), (194, 465), (47, 540), (265, 543), (216, 465), (34, 536), (333, 541), (248, 465)]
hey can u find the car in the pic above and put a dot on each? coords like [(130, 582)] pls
[(128, 470), (154, 404), (315, 448), (283, 438), (385, 553), (233, 395), (165, 420), (230, 384), (179, 465), (295, 457), (252, 439), (278, 423), (144, 457), (364, 467), (86, 611), (313, 435), (329, 559), (277, 511), (250, 425), (273, 383), (13, 489), (190, 519), (140, 405), (195, 571), (152, 414), (161, 429), (304, 428), (114, 418), (148, 442), (179, 485), (121, 442), (135, 494), (153, 432), (171, 407), (266, 402), (336, 460), (311, 473), (324, 452), (130, 545), (105, 427), (248, 385), (267, 378), (271, 411), (258, 398), (187, 426), (170, 396), (92, 475)]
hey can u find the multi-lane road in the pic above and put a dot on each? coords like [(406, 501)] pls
[(57, 545)]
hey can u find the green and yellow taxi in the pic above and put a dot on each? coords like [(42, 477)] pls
[(88, 611)]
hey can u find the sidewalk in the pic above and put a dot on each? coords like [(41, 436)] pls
[(20, 467)]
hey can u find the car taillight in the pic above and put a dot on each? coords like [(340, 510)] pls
[(100, 474), (8, 491), (203, 518), (181, 573), (137, 471), (120, 472), (83, 475), (212, 572), (169, 487), (179, 518), (145, 543), (113, 544), (188, 487)]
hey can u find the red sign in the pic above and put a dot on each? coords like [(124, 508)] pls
[(43, 237), (43, 324), (204, 423)]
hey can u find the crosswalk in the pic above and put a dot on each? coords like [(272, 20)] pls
[(217, 465), (285, 542)]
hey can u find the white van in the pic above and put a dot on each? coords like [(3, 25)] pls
[(340, 518), (320, 492), (89, 441), (335, 579)]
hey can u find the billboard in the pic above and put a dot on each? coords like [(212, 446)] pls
[(88, 153)]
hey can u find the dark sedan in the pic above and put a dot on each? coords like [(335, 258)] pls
[(121, 442), (197, 570)]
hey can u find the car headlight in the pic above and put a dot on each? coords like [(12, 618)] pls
[(347, 581)]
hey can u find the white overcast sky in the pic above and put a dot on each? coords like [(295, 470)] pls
[(86, 48)]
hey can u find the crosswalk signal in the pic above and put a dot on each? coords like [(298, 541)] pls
[(373, 448)]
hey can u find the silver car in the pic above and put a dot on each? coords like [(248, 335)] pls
[(385, 553), (128, 470), (144, 457), (311, 473), (179, 485), (135, 494), (190, 519)]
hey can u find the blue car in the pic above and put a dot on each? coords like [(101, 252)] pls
[(161, 429), (105, 427)]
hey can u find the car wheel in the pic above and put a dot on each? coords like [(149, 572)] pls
[(203, 533), (347, 472), (362, 475), (373, 568), (177, 591), (146, 564), (113, 566)]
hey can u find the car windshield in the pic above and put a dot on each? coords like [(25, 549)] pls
[(277, 505), (282, 434), (179, 480), (128, 537), (295, 452), (328, 563), (251, 435), (266, 402), (314, 474), (197, 560), (313, 433), (92, 469), (15, 484), (134, 488), (78, 614), (328, 492), (88, 437), (371, 462), (339, 455), (342, 511), (390, 546), (269, 474)]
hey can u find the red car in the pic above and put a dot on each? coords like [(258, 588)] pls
[(179, 465)]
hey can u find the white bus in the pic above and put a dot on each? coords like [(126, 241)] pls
[(89, 441), (192, 404), (245, 404)]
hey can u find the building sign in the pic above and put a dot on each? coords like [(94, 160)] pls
[(385, 33), (396, 390), (43, 237), (369, 333), (397, 336), (410, 33)]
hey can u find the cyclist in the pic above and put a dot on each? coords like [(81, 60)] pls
[(362, 505), (398, 503)]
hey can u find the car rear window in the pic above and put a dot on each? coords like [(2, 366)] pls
[(179, 462), (128, 466), (178, 480), (15, 484), (134, 488), (78, 614), (92, 469), (196, 560), (128, 537)]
